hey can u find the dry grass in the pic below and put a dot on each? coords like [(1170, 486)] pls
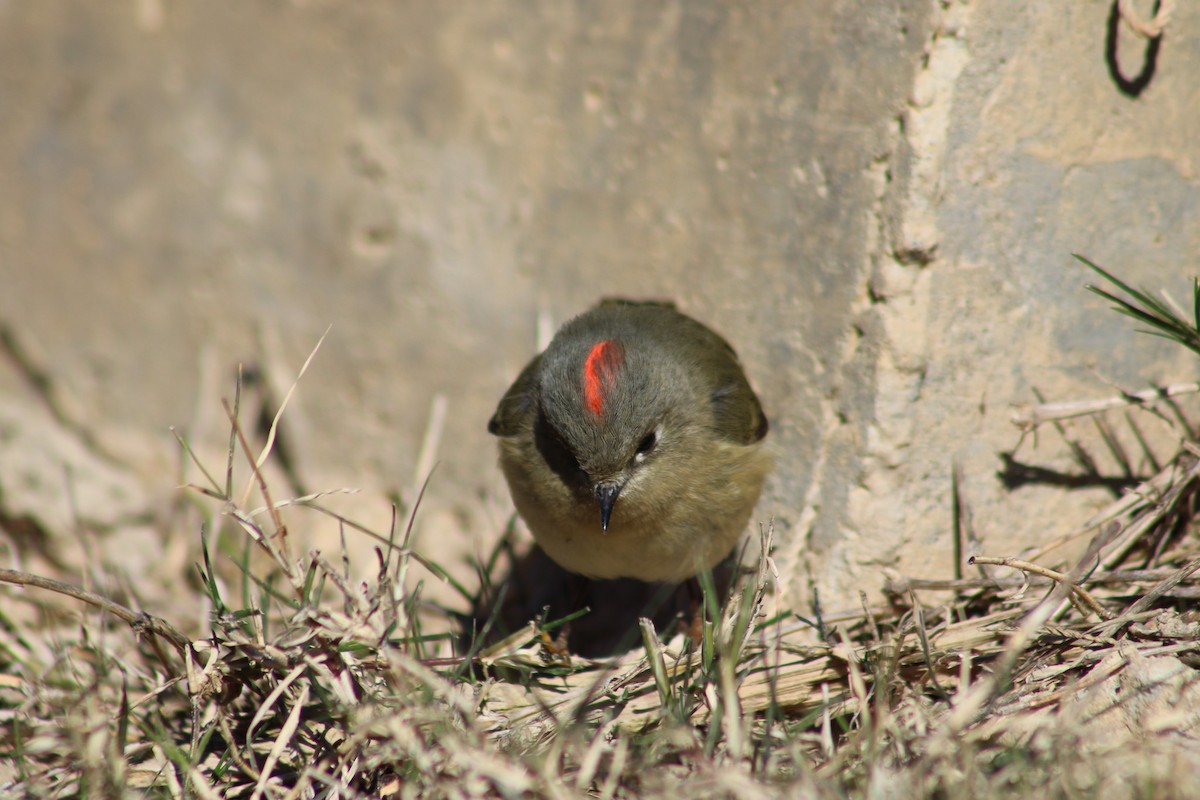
[(1035, 677)]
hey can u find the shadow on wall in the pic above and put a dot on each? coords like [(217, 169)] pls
[(1152, 32)]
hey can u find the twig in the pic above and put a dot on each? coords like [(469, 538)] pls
[(1144, 602), (271, 434), (139, 620), (1046, 572), (280, 555), (1028, 418), (1151, 29), (427, 455)]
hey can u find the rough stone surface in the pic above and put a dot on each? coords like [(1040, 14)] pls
[(874, 202), (1018, 149)]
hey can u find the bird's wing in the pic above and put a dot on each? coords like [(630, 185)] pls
[(739, 416), (516, 407)]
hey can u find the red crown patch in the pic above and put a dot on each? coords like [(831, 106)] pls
[(600, 368)]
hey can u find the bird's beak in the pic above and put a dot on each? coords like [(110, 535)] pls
[(606, 494)]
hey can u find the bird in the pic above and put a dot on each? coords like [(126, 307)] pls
[(633, 445)]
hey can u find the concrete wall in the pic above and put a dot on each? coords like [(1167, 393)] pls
[(875, 203)]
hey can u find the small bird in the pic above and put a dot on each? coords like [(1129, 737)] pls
[(633, 445)]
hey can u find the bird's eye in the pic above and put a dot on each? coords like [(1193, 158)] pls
[(648, 442)]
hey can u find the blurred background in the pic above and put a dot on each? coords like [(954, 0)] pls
[(875, 203)]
